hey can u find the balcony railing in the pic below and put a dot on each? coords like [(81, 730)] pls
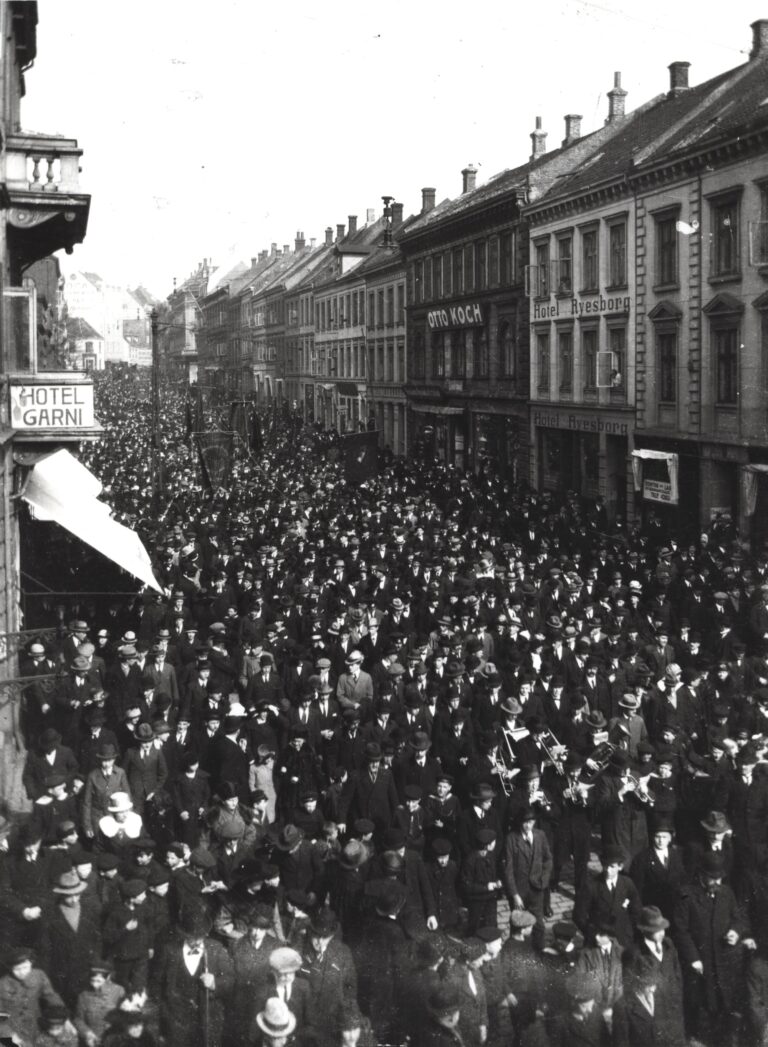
[(42, 163)]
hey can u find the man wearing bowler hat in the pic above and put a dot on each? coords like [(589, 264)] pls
[(107, 778), (655, 948), (145, 767), (195, 980), (373, 794), (329, 966)]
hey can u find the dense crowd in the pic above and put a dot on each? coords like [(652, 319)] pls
[(326, 787)]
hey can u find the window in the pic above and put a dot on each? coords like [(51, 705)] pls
[(589, 358), (458, 271), (725, 238), (666, 353), (481, 265), (493, 261), (507, 259), (565, 357), (355, 319), (542, 356), (725, 344), (390, 305), (418, 281), (427, 279), (506, 343), (565, 265), (459, 354), (371, 309), (400, 304), (589, 260), (469, 268), (617, 247), (759, 230), (437, 275), (480, 352), (380, 307), (400, 377), (542, 270), (617, 341), (666, 251), (438, 354)]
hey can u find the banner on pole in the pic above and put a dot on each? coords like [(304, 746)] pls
[(360, 455), (215, 449)]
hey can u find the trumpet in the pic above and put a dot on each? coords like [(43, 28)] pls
[(639, 786), (577, 793)]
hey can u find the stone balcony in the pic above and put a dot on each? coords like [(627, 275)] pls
[(41, 188)]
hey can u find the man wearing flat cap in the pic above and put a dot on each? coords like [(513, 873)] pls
[(25, 991)]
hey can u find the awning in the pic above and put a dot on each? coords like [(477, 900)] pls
[(749, 475), (60, 488), (672, 461), (348, 389), (436, 409)]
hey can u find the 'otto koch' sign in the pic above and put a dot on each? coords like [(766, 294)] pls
[(47, 406), (466, 315)]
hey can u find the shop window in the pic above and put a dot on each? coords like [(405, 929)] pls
[(565, 357), (438, 354), (725, 237), (458, 355), (590, 453), (565, 265), (617, 254), (589, 260), (666, 356), (506, 342), (725, 342), (542, 356), (480, 352), (589, 358), (552, 455)]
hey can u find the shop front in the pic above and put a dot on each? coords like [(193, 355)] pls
[(440, 433), (584, 451), (500, 443)]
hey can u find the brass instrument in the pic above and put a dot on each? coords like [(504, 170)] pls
[(640, 788), (600, 758), (578, 793), (504, 766), (550, 745)]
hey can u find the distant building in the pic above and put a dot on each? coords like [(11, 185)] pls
[(86, 344), (104, 306)]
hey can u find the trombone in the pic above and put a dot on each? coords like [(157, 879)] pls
[(552, 750), (504, 763)]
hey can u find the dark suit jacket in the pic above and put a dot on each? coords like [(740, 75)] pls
[(375, 800), (596, 903), (185, 1002), (145, 776), (526, 866)]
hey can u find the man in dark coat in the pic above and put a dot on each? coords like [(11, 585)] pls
[(711, 933), (51, 758), (380, 960), (71, 938), (527, 869), (329, 966), (373, 794), (227, 761), (145, 768), (195, 980), (658, 871), (655, 949), (609, 897)]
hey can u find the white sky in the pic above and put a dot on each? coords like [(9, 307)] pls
[(213, 130)]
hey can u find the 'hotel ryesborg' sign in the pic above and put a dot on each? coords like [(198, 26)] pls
[(571, 307), (48, 406)]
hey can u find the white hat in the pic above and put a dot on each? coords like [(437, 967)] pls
[(276, 1019), (119, 802)]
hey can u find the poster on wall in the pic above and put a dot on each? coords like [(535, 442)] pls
[(658, 491)]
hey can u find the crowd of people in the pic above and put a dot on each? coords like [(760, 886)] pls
[(329, 785)]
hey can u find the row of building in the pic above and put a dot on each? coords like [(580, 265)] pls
[(594, 320)]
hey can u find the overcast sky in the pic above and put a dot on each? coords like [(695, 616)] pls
[(216, 129)]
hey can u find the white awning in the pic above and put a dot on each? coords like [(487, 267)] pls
[(60, 488), (669, 457)]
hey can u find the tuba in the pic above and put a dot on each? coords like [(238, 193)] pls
[(598, 761)]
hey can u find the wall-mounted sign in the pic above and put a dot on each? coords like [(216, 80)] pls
[(579, 424), (467, 315), (567, 308), (658, 491), (47, 406)]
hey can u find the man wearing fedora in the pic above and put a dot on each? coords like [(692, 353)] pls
[(104, 780), (300, 864), (416, 766), (329, 967), (354, 689), (609, 896), (373, 794), (250, 957), (71, 936), (711, 934), (51, 757), (275, 1024), (527, 864), (714, 837), (196, 978), (622, 806), (631, 723), (145, 767), (655, 949)]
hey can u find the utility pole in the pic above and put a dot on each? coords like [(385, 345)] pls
[(157, 461)]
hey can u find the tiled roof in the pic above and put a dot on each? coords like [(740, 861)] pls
[(78, 328)]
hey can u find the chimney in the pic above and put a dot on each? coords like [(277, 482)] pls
[(572, 128), (328, 236), (468, 178), (538, 140), (254, 263), (340, 232), (286, 248), (301, 243), (759, 38), (397, 214), (312, 243), (616, 97), (370, 215), (263, 255), (273, 250), (352, 224), (678, 78), (427, 199)]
